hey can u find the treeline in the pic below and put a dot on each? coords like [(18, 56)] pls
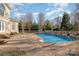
[(27, 24), (63, 23)]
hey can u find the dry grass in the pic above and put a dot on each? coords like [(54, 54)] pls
[(12, 52), (49, 50)]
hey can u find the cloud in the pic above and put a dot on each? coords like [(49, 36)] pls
[(69, 12), (60, 5), (15, 10), (14, 5), (58, 11), (20, 4), (18, 14), (60, 15), (54, 11), (35, 13), (57, 8), (47, 9), (49, 13), (35, 16)]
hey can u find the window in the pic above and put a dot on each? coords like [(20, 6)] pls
[(13, 27), (2, 25)]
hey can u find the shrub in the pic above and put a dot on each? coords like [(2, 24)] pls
[(6, 36), (13, 33)]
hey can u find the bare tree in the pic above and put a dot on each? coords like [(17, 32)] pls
[(58, 22), (23, 23), (29, 19), (26, 22), (41, 21)]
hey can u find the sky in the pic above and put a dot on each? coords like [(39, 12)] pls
[(50, 10)]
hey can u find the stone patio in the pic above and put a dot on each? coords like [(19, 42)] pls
[(29, 45)]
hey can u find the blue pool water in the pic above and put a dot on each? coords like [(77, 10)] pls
[(54, 38)]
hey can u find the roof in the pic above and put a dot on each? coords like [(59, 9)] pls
[(13, 20), (9, 19), (7, 5)]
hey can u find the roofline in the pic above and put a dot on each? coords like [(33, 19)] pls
[(6, 5), (13, 20)]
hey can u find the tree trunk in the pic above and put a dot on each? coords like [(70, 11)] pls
[(29, 29), (22, 30)]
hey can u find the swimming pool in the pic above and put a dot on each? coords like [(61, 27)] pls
[(58, 39)]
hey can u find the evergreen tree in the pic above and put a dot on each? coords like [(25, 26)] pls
[(65, 24), (35, 26), (48, 25)]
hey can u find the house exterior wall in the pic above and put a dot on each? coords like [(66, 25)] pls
[(7, 29), (15, 25), (7, 21), (8, 26)]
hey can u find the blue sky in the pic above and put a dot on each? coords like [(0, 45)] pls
[(50, 10)]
